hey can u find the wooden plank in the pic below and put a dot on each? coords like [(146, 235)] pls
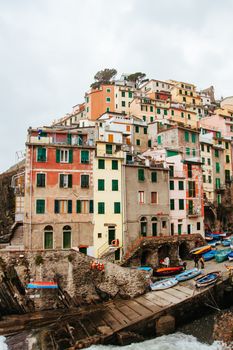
[(176, 293), (155, 299), (184, 289), (142, 311), (119, 316), (130, 313), (167, 297), (149, 305), (111, 321)]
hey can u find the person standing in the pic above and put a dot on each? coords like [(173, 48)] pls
[(196, 259), (202, 262)]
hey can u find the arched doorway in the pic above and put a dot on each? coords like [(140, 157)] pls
[(163, 252), (48, 237), (148, 257), (183, 251), (154, 227), (143, 226), (66, 237)]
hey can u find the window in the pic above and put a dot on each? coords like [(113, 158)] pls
[(101, 185), (149, 143), (41, 154), (204, 178), (141, 198), (181, 185), (198, 226), (217, 168), (158, 111), (189, 116), (101, 207), (182, 114), (159, 140), (108, 90), (107, 109), (117, 207), (114, 164), (227, 158), (165, 112), (66, 237), (99, 235), (84, 206), (123, 93), (40, 180), (130, 94), (83, 250), (138, 142), (153, 176), (186, 136), (181, 204), (208, 148), (108, 149), (64, 156), (108, 99), (203, 160), (172, 112), (190, 207), (65, 181), (190, 174), (208, 161), (218, 134), (137, 129), (187, 151), (219, 198), (154, 197), (179, 229), (88, 99), (164, 224), (184, 100), (191, 189), (202, 147), (172, 185), (114, 185), (62, 206), (123, 103), (48, 237), (193, 138), (227, 175), (227, 145), (216, 153), (209, 179), (145, 130), (144, 118), (84, 181), (151, 108), (194, 152), (101, 164), (141, 176), (172, 204), (84, 157), (40, 206), (171, 170)]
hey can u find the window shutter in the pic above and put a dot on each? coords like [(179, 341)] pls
[(56, 206), (70, 156), (141, 175), (114, 185), (69, 139), (78, 206), (61, 180), (117, 208), (91, 206), (57, 156), (70, 181), (153, 176), (69, 206)]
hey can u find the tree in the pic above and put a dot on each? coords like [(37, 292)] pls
[(104, 77), (136, 77)]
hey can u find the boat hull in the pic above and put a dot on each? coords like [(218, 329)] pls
[(209, 255), (165, 284), (188, 274), (208, 279), (167, 271), (222, 255)]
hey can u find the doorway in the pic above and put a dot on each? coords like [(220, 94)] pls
[(111, 234)]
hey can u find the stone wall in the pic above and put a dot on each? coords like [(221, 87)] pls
[(78, 283)]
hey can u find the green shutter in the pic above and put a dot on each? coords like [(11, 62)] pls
[(194, 152), (69, 206), (66, 239), (101, 164), (69, 139), (40, 206), (186, 136), (181, 185), (114, 185), (70, 181), (48, 240), (114, 164), (57, 156), (56, 206), (137, 129), (78, 206), (188, 151), (85, 157), (41, 154), (172, 204), (153, 176), (101, 208), (141, 175), (145, 130), (91, 206), (149, 143), (159, 140), (227, 158), (70, 156), (181, 204), (117, 208), (172, 185), (217, 168), (108, 149), (193, 138), (40, 180), (61, 180), (100, 184)]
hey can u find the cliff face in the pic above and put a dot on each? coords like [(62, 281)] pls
[(7, 199)]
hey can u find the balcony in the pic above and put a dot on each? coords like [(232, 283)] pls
[(193, 213)]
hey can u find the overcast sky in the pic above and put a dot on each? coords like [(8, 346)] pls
[(51, 49)]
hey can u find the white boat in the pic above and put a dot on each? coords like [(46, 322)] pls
[(164, 284)]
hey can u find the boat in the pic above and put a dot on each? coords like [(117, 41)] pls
[(226, 242), (231, 244), (222, 255), (166, 271), (209, 255), (164, 284), (144, 268), (42, 285), (208, 279), (214, 243), (209, 238), (201, 250), (230, 256), (188, 274)]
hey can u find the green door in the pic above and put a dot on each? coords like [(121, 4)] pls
[(154, 229), (111, 234), (179, 229), (66, 239), (48, 240), (117, 254)]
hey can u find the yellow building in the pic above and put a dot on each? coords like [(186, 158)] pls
[(108, 203), (185, 93)]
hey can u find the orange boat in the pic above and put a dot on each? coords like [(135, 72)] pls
[(164, 271), (202, 250)]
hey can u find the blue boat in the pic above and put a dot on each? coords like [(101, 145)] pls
[(214, 243), (226, 242), (208, 279), (222, 255), (188, 274), (42, 285), (230, 256), (144, 268), (164, 284), (209, 255)]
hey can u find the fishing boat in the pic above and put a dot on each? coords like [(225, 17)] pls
[(209, 255), (188, 274), (167, 271), (144, 268), (200, 250), (214, 243), (167, 283), (42, 285), (222, 255), (226, 242), (208, 279), (230, 256)]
